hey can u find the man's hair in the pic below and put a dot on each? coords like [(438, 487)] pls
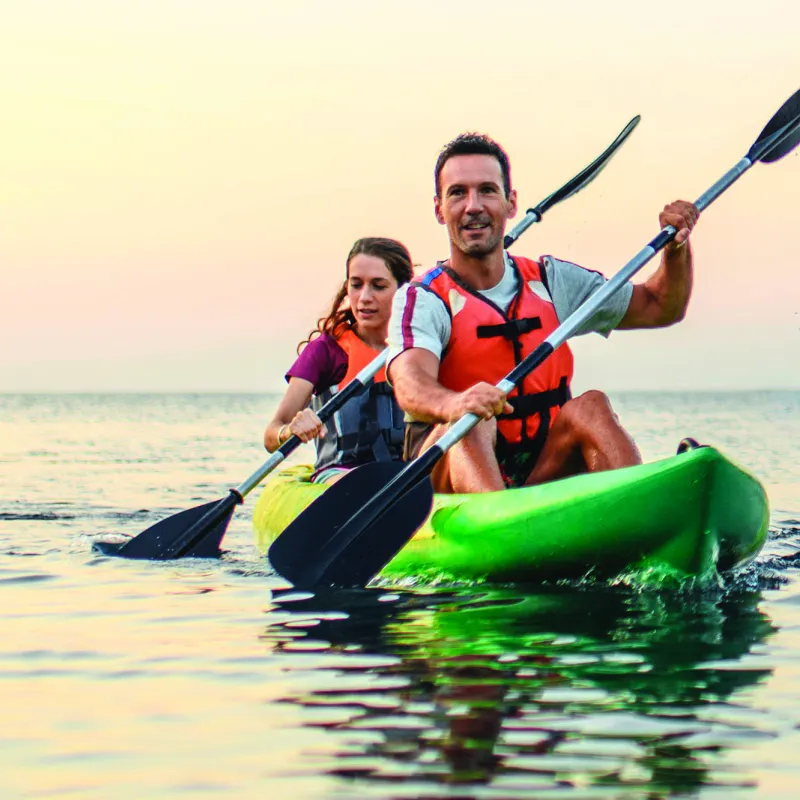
[(470, 144)]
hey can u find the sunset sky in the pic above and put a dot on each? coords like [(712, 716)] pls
[(180, 180)]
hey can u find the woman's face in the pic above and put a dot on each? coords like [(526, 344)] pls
[(370, 289)]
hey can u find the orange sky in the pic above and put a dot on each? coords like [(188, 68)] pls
[(180, 180)]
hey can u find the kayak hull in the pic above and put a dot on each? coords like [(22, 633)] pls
[(692, 515)]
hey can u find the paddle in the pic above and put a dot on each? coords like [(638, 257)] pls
[(357, 545), (583, 178), (198, 531), (311, 532)]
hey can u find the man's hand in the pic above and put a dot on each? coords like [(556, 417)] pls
[(683, 217), (484, 400)]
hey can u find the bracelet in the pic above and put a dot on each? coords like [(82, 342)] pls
[(280, 434)]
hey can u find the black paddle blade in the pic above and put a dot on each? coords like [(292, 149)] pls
[(324, 546), (787, 116), (588, 174), (163, 540), (366, 543), (315, 526)]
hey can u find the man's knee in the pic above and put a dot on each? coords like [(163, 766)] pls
[(587, 410), (467, 465), (485, 432), (594, 401)]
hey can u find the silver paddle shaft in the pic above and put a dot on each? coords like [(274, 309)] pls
[(585, 312), (531, 216)]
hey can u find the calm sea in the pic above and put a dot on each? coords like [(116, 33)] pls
[(197, 679)]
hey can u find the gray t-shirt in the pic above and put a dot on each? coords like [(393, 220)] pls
[(420, 319)]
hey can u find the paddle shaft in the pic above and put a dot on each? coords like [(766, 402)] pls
[(532, 215), (595, 302), (188, 538), (581, 315)]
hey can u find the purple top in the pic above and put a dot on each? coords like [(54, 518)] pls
[(322, 362)]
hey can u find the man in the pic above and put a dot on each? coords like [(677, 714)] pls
[(466, 323)]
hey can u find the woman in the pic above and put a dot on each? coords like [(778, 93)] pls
[(369, 427)]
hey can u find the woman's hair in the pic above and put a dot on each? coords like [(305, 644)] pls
[(398, 262)]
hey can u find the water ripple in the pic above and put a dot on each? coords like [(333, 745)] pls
[(135, 679)]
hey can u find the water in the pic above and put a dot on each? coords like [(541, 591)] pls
[(213, 679)]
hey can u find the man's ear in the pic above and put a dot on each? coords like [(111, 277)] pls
[(437, 209), (512, 201)]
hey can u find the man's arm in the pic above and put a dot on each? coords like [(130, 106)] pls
[(414, 375), (663, 298)]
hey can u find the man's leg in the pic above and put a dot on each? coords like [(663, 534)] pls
[(469, 466), (586, 437)]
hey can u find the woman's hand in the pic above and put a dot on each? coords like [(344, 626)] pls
[(293, 409), (306, 426)]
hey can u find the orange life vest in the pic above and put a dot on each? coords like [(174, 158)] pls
[(368, 427), (486, 344), (359, 355)]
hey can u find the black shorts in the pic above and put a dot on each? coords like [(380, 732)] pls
[(515, 464), (415, 435)]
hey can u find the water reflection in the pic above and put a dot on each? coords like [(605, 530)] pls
[(509, 692)]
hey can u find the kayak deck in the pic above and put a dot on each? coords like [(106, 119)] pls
[(692, 515)]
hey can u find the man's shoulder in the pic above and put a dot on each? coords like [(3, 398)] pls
[(426, 278), (416, 300), (517, 259), (554, 264), (421, 289)]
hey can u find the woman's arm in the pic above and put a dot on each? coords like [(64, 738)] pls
[(293, 417), (322, 364)]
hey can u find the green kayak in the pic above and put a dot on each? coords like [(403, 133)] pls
[(692, 515)]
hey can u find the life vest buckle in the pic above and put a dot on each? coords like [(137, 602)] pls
[(512, 330)]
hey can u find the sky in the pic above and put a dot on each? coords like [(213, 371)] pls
[(181, 180)]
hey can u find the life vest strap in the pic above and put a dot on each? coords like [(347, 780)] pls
[(512, 329), (527, 405), (380, 389), (369, 427)]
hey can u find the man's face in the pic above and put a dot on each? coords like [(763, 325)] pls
[(472, 204)]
